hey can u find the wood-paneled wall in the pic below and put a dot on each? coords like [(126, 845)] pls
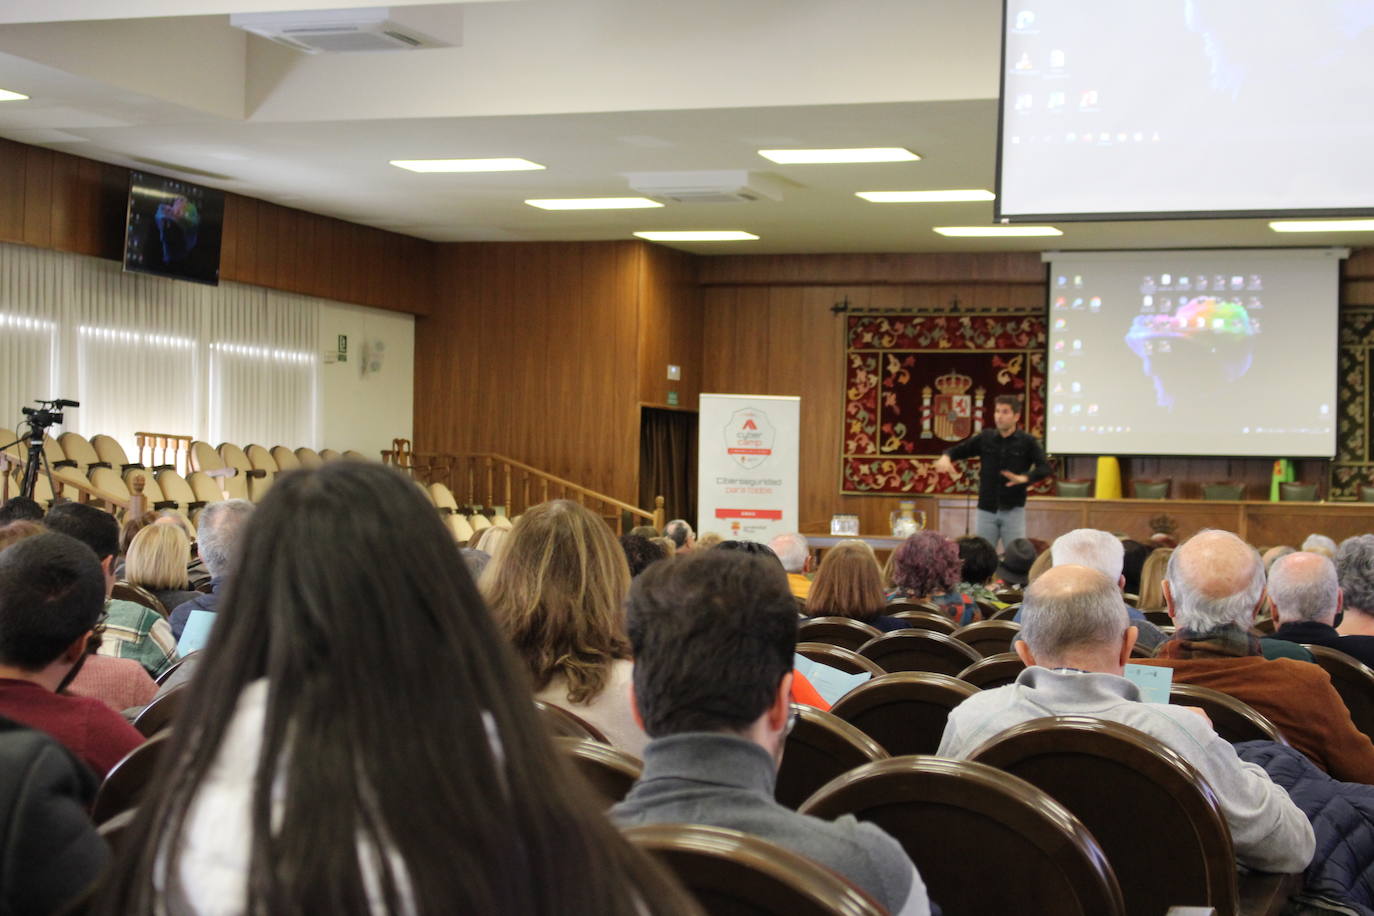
[(670, 326), (54, 200)]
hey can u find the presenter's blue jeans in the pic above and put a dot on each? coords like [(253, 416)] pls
[(1004, 524)]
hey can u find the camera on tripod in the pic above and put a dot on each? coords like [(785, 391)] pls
[(48, 414)]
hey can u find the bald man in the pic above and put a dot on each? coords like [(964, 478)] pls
[(1075, 641), (1306, 600), (1213, 588)]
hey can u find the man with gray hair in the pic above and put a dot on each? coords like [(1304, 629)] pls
[(1076, 640), (1214, 585), (681, 534), (794, 552), (1104, 552), (218, 535), (1355, 571), (1306, 600)]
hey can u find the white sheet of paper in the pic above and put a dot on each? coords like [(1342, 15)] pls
[(1153, 682), (830, 683), (196, 632)]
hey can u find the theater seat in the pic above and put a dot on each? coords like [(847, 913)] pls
[(309, 458), (1233, 719), (609, 772), (994, 671), (261, 458), (846, 660), (564, 724), (76, 448), (924, 620), (845, 632), (1076, 487), (159, 714), (904, 712), (111, 452), (1226, 490), (1352, 680), (285, 458), (1293, 492), (128, 779), (989, 637), (919, 650), (1150, 489), (820, 747)]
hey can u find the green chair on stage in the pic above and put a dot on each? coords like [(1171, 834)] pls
[(1150, 489), (1301, 493), (1226, 490), (1367, 494), (1078, 486)]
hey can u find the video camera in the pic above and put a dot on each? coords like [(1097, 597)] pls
[(48, 414)]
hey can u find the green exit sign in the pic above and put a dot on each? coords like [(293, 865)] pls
[(672, 399)]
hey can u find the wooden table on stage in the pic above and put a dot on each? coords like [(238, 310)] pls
[(1259, 522)]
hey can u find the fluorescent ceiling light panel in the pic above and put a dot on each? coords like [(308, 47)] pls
[(815, 156), (1322, 225), (466, 165), (924, 197), (698, 235), (8, 96), (594, 203), (975, 232)]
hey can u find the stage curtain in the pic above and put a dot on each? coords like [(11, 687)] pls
[(668, 462)]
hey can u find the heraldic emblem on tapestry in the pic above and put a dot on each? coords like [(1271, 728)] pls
[(956, 413)]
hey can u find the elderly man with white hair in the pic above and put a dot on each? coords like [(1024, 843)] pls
[(681, 534), (1213, 587), (794, 552), (1306, 599), (1076, 642), (221, 527), (1104, 552), (1355, 571)]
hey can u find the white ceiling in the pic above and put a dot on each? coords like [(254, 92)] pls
[(592, 89)]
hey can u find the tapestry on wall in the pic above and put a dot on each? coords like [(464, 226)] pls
[(1353, 467), (917, 384)]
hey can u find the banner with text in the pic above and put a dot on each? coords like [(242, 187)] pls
[(747, 465)]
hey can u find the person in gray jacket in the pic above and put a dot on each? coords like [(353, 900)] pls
[(1075, 641), (713, 634)]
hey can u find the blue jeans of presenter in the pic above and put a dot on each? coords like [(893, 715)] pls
[(1004, 524)]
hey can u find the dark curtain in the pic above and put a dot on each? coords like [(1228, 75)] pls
[(668, 462)]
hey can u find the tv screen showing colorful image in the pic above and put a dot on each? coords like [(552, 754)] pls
[(174, 228)]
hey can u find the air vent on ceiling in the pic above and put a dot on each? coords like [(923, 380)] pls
[(707, 187), (348, 31)]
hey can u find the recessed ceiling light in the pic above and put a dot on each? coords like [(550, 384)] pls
[(924, 197), (594, 203), (8, 96), (466, 165), (973, 232), (1322, 225), (698, 235), (864, 154)]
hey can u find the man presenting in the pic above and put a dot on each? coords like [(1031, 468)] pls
[(1012, 460)]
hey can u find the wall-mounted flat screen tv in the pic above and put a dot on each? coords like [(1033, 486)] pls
[(174, 229)]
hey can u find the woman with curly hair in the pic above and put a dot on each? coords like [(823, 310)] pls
[(926, 567)]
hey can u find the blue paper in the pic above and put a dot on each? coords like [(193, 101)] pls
[(196, 632), (830, 683), (1153, 682)]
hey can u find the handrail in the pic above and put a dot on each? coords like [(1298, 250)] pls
[(133, 506), (179, 445)]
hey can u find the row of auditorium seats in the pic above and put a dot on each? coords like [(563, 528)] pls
[(462, 521)]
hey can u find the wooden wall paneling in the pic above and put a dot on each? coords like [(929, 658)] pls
[(65, 206), (230, 241), (13, 157), (670, 325), (38, 173), (295, 269), (245, 229)]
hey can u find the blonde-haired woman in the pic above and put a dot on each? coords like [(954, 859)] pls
[(157, 561), (850, 584), (557, 591), (1152, 579), (490, 540)]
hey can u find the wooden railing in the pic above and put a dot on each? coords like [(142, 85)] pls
[(490, 481), (157, 450), (85, 491)]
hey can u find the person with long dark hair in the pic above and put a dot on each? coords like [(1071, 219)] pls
[(360, 739)]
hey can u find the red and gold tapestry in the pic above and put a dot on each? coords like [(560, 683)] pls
[(917, 384)]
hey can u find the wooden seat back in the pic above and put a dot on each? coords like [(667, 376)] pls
[(126, 591), (994, 671), (904, 712), (285, 458), (309, 458), (1353, 680), (923, 619), (1233, 719), (563, 723), (111, 452), (845, 632), (159, 714), (844, 659), (820, 747), (609, 772), (989, 637), (919, 650), (127, 780), (261, 458), (983, 840)]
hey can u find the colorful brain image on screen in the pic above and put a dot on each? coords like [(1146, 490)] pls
[(1206, 341), (178, 228)]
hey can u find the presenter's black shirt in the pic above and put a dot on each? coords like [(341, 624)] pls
[(1019, 453)]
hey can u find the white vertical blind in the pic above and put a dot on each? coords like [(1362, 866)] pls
[(29, 320)]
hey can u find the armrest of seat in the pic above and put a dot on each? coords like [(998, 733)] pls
[(165, 504), (221, 472), (97, 464), (64, 463), (127, 467)]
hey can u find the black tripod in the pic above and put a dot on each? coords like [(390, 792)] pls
[(40, 420)]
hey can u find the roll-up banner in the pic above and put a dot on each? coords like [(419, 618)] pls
[(747, 465)]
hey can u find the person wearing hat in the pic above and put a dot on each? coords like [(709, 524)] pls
[(1016, 563)]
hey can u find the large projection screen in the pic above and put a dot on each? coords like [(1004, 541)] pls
[(1225, 353), (1185, 108)]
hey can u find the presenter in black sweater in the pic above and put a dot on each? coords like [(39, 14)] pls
[(1012, 460)]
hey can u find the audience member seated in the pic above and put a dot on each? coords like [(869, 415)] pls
[(1355, 572), (403, 767), (489, 540), (664, 544), (51, 853), (1134, 555), (926, 567), (557, 592), (1017, 558), (1103, 552), (221, 529), (1273, 553), (1152, 580), (197, 576), (130, 630), (52, 590), (849, 584), (20, 509), (645, 531), (708, 540), (794, 552), (128, 530), (157, 561), (1319, 544), (475, 560), (713, 635), (17, 531), (640, 553), (1076, 640), (1306, 600), (1214, 586), (684, 539), (977, 565)]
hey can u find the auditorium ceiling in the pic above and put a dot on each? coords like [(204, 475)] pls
[(592, 89)]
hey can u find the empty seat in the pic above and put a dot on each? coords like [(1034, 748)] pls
[(924, 619), (919, 650), (176, 489), (1233, 719), (989, 637), (234, 457), (261, 458), (905, 712), (1353, 681), (838, 631), (285, 458), (1293, 491), (110, 481), (983, 840), (76, 448), (129, 779), (353, 455), (206, 488), (838, 657), (609, 772), (732, 873), (1226, 490), (1079, 487), (994, 671), (457, 524), (479, 522), (1150, 489), (111, 452), (820, 747), (500, 521), (309, 458), (203, 457), (328, 454), (564, 724)]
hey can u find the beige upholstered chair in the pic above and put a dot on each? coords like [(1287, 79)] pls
[(261, 458), (285, 458), (309, 458)]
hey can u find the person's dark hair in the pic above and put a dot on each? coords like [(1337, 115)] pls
[(979, 559), (713, 635), (640, 553), (20, 509), (645, 531), (96, 529), (51, 592), (1132, 561), (1010, 400), (131, 527), (397, 719), (754, 547)]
